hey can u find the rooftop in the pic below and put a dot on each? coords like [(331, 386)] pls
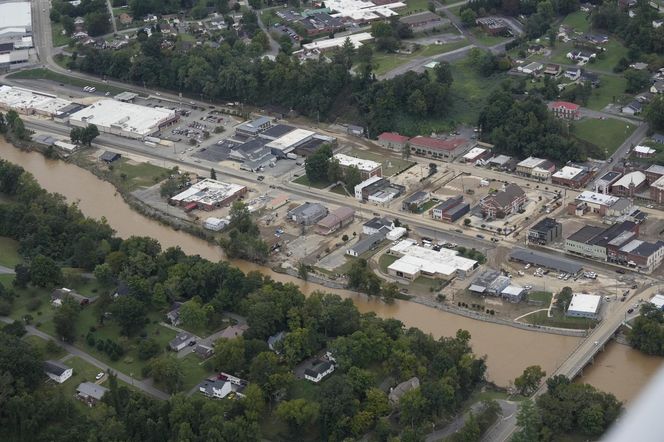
[(596, 198), (277, 131), (363, 165), (336, 216), (130, 117), (637, 178), (507, 195), (545, 260), (656, 168), (329, 43), (659, 183), (644, 150), (584, 303), (208, 191), (500, 160), (415, 258), (545, 225), (393, 137), (565, 105), (361, 11), (255, 124), (569, 173), (437, 144), (19, 98), (531, 162), (15, 14), (55, 367), (474, 153), (609, 176), (585, 234), (91, 390), (290, 139)]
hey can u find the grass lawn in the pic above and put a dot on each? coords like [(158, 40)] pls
[(303, 389), (304, 180), (486, 39), (137, 175), (424, 285), (194, 371), (384, 63), (83, 372), (391, 165), (428, 205), (385, 260), (45, 74), (456, 10), (9, 256), (339, 190), (614, 52), (415, 6), (59, 39), (40, 344), (577, 20), (607, 134), (206, 330), (543, 297), (611, 89), (559, 320)]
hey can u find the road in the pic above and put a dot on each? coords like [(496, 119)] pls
[(580, 357), (6, 271), (141, 385), (623, 150), (508, 408), (110, 12), (274, 46)]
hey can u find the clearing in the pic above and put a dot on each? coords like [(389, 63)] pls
[(606, 134)]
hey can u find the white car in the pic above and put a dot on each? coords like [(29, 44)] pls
[(527, 266), (99, 375)]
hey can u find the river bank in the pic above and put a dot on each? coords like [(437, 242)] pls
[(508, 349)]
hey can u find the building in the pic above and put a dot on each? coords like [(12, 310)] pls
[(364, 12), (552, 70), (364, 245), (592, 242), (599, 203), (574, 177), (393, 141), (254, 127), (493, 25), (58, 295), (276, 131), (565, 109), (603, 184), (634, 107), (414, 202), (546, 230), (424, 21), (545, 261), (319, 370), (484, 280), (438, 149), (90, 393), (321, 23), (451, 209), (224, 385), (386, 194), (378, 190), (181, 341), (126, 96), (513, 293), (375, 225), (274, 341), (643, 152), (657, 87), (209, 194), (499, 161), (124, 119), (642, 255), (335, 220), (532, 68), (580, 56), (282, 146), (173, 314), (360, 193), (654, 172), (584, 306), (330, 44), (415, 261), (657, 191), (57, 371), (527, 166), (629, 184), (215, 224), (28, 102), (307, 214), (396, 233), (110, 157), (367, 168), (15, 23), (503, 203), (475, 154), (253, 154), (397, 392), (203, 351)]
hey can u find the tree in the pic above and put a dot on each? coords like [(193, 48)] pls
[(443, 73), (270, 374), (298, 414), (528, 421), (148, 348), (167, 370), (130, 314), (530, 380), (21, 276), (468, 17), (316, 165), (352, 178), (564, 298), (21, 361), (414, 408), (229, 355), (636, 80), (213, 174), (16, 328), (193, 314), (65, 319), (44, 272), (654, 112)]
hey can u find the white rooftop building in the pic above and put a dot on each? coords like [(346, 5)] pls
[(596, 198), (327, 44), (15, 21), (567, 173), (287, 143), (363, 11), (415, 261), (636, 178), (27, 102), (584, 306), (209, 194), (363, 184), (644, 150), (362, 165), (658, 301), (473, 154), (124, 119)]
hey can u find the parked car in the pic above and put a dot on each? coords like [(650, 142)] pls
[(192, 343), (99, 375), (631, 310)]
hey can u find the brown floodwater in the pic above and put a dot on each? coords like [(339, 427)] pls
[(508, 350)]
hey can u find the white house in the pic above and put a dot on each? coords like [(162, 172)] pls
[(318, 371), (58, 371)]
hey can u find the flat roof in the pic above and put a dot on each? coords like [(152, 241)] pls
[(208, 191), (644, 149), (141, 120), (548, 261), (416, 258), (583, 303), (531, 162), (277, 130), (359, 10), (609, 176), (15, 14), (656, 168), (585, 234), (291, 139), (658, 300), (568, 172), (474, 153), (363, 165), (597, 198), (19, 98), (659, 184), (328, 43)]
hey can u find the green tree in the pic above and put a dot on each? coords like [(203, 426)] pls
[(654, 113), (316, 165), (528, 422), (637, 81), (167, 370), (44, 272), (270, 374), (530, 380), (229, 355), (298, 414), (352, 178), (130, 314), (564, 298), (65, 319), (414, 408), (468, 17), (193, 314), (213, 173), (148, 348)]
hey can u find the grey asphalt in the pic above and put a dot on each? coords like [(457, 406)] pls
[(508, 409), (6, 271), (144, 386)]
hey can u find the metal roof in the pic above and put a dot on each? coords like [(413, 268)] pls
[(545, 260)]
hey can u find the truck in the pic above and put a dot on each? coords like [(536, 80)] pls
[(291, 156)]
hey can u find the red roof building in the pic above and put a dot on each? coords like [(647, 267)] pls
[(437, 148), (565, 109), (393, 141)]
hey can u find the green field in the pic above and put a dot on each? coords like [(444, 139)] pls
[(415, 6), (304, 180), (577, 20), (59, 39), (45, 74), (604, 63), (559, 320), (391, 165), (486, 39), (606, 134), (543, 297), (194, 371), (383, 63), (385, 260), (40, 344), (83, 372), (134, 175), (611, 89), (9, 256)]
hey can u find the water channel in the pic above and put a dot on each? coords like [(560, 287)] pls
[(619, 370)]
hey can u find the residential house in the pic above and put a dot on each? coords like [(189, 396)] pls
[(357, 131), (274, 341), (629, 184), (125, 19), (564, 109), (503, 203), (173, 315), (657, 87), (222, 386), (552, 70), (581, 56), (181, 341), (393, 141), (643, 152), (545, 231), (58, 371), (375, 225), (318, 370), (307, 214), (414, 202), (573, 73), (437, 148), (90, 393), (533, 68), (400, 389), (203, 351), (365, 244), (658, 138), (335, 220), (499, 161), (634, 107), (58, 295)]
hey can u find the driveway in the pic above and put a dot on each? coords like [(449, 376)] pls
[(229, 332)]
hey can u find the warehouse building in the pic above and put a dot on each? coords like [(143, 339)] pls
[(592, 242), (545, 261), (307, 214), (584, 306), (335, 220), (124, 119), (393, 141), (208, 194), (365, 244), (415, 261), (27, 102), (285, 144), (16, 23), (254, 127), (451, 209), (330, 44), (367, 168)]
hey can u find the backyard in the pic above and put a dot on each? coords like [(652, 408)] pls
[(559, 320), (607, 134), (9, 256), (605, 62), (577, 20), (611, 89)]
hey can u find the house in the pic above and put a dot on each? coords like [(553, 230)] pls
[(224, 385), (573, 73), (598, 39), (531, 68), (436, 148), (181, 341), (125, 19), (657, 87), (109, 157), (633, 108), (535, 49), (307, 214), (644, 152), (581, 56), (552, 70), (423, 21), (451, 209), (584, 306), (58, 295), (173, 315), (203, 351), (393, 141), (629, 184), (375, 225), (414, 202), (274, 341), (57, 371), (335, 220), (570, 176), (564, 109), (318, 371), (402, 388), (545, 231), (503, 203), (639, 66), (90, 393), (366, 244), (658, 138)]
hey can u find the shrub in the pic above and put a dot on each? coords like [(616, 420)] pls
[(34, 304)]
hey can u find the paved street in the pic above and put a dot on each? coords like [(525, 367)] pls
[(6, 271), (144, 386), (508, 408)]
